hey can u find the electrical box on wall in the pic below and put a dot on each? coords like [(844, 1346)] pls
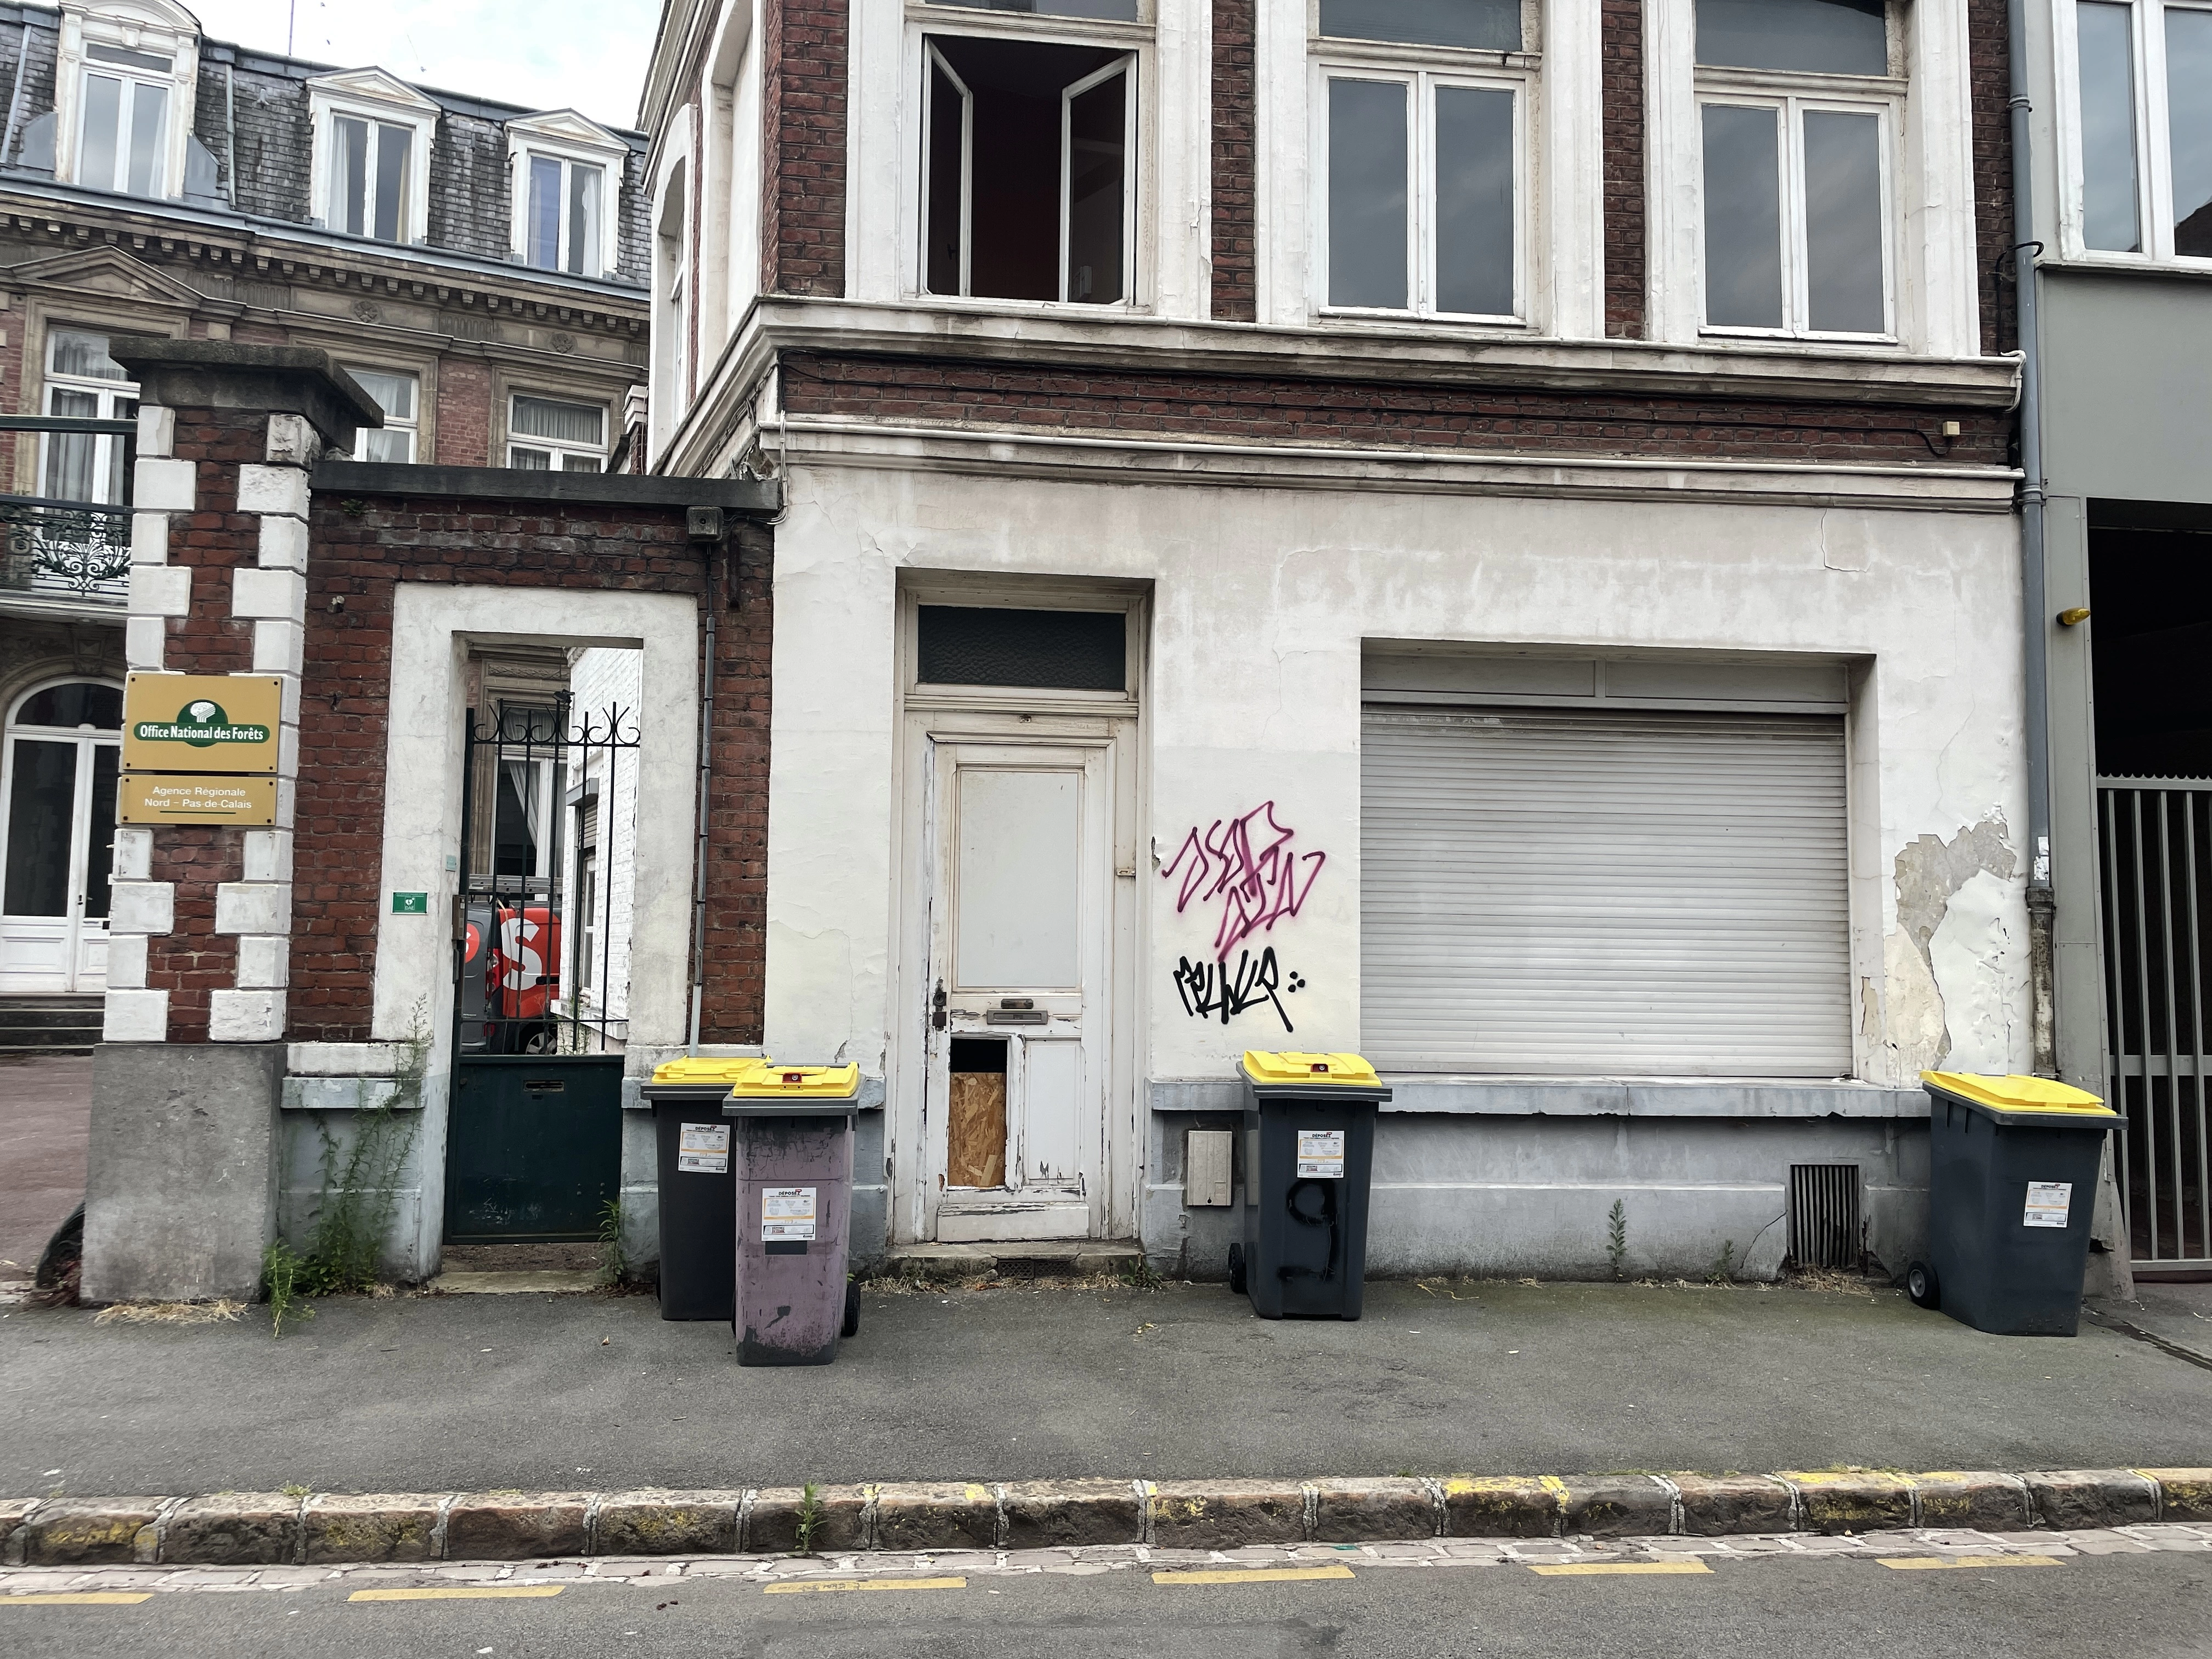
[(1205, 1168)]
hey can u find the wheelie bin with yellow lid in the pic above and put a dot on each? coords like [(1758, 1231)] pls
[(1308, 1149), (698, 1190), (2012, 1180), (793, 1153)]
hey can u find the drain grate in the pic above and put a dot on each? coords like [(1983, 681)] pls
[(1824, 1215)]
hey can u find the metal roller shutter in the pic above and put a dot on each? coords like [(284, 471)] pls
[(1646, 894)]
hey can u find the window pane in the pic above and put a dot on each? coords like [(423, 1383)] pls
[(988, 645), (70, 455), (568, 423), (580, 463), (530, 460), (1485, 25), (1367, 193), (126, 408), (41, 800), (1119, 11), (947, 168), (1743, 217), (144, 60), (2189, 120), (1475, 200), (2108, 127), (388, 443), (100, 831), (583, 220), (1834, 36), (394, 393), (1843, 222), (78, 704), (147, 136), (1097, 142), (542, 245), (84, 356), (392, 145), (103, 136), (349, 215)]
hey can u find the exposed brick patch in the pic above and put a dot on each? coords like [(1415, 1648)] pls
[(1625, 232), (464, 437), (1235, 139), (363, 550), (192, 959), (1060, 398), (1991, 80), (803, 137)]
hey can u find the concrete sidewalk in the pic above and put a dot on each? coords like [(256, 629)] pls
[(483, 1392), (46, 1118)]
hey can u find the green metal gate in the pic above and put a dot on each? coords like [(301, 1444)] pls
[(533, 1141), (533, 1154)]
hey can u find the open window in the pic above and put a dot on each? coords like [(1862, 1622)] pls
[(1029, 148)]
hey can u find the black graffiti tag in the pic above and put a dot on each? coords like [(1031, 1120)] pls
[(1209, 987)]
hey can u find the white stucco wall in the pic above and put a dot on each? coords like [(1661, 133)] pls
[(1261, 598)]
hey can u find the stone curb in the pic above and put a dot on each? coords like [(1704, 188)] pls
[(325, 1529)]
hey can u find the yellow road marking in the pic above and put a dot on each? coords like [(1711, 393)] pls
[(1251, 1575), (800, 1586), (460, 1593), (1610, 1569), (78, 1599), (1926, 1562)]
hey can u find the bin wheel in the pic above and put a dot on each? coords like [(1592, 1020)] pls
[(1920, 1285), (1237, 1270), (852, 1325)]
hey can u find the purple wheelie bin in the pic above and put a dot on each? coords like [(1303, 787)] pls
[(792, 1149)]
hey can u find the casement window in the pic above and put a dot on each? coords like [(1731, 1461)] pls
[(400, 399), (84, 383), (372, 135), (371, 174), (2143, 128), (122, 139), (1029, 168), (1421, 118), (565, 198), (547, 435), (1799, 103)]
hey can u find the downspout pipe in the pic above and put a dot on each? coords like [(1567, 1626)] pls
[(2042, 901), (710, 553)]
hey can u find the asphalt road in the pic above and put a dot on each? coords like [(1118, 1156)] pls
[(479, 1392), (2129, 1606)]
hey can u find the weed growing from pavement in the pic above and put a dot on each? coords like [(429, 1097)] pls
[(810, 1516), (1722, 1272), (614, 1259), (1616, 1239)]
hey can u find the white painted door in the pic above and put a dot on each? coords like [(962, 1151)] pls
[(1019, 917), (56, 843)]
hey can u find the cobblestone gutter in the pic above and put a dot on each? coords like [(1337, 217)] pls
[(249, 1530)]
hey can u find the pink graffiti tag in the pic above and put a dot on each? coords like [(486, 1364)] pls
[(1248, 865)]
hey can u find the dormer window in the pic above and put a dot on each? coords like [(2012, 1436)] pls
[(373, 137), (124, 139), (567, 175)]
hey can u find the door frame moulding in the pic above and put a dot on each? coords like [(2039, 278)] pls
[(1012, 714)]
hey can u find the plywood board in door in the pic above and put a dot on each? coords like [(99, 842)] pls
[(975, 1130)]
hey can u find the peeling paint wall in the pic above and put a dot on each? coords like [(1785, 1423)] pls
[(1261, 599)]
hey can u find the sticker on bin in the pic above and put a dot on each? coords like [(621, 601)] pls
[(2048, 1202), (786, 1213), (703, 1148), (1320, 1154)]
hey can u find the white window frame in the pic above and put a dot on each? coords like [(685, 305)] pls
[(557, 451), (1135, 41), (412, 426), (152, 27), (566, 136), (1422, 70), (1762, 89), (373, 96), (2153, 132)]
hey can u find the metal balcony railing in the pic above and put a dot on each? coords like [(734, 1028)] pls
[(63, 549)]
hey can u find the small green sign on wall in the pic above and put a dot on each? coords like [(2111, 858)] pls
[(410, 905)]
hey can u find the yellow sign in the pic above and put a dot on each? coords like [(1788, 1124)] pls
[(201, 722), (153, 799)]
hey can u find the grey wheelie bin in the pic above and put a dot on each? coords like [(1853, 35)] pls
[(698, 1190), (1309, 1147), (793, 1134), (2012, 1180)]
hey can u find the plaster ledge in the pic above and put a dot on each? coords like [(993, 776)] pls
[(1591, 1096)]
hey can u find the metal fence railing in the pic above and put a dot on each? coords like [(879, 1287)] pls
[(2157, 905)]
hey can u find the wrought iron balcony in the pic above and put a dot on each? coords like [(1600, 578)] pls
[(68, 553)]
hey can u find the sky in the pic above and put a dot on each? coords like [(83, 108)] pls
[(587, 55)]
